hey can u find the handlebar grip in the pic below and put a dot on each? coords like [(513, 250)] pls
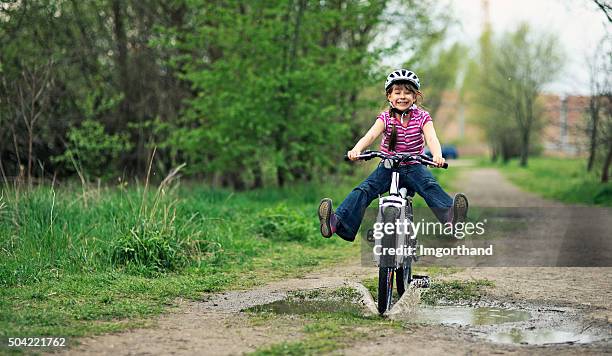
[(445, 165), (346, 158)]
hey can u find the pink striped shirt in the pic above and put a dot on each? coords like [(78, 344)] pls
[(410, 137)]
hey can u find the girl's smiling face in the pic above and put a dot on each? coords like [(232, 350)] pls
[(401, 96)]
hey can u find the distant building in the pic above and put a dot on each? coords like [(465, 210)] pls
[(563, 133)]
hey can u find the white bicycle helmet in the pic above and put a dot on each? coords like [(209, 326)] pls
[(402, 75)]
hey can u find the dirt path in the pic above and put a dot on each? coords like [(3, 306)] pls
[(586, 290), (576, 286), (215, 325)]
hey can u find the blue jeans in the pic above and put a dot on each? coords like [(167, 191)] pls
[(414, 177)]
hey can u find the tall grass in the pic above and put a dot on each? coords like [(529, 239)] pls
[(47, 231), (82, 258)]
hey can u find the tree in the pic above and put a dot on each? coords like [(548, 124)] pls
[(437, 64), (521, 63), (605, 7), (105, 67), (600, 86), (289, 94), (607, 138), (33, 100), (599, 122), (218, 85)]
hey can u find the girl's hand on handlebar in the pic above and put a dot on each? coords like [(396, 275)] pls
[(439, 160), (353, 154)]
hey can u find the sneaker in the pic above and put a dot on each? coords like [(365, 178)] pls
[(460, 208), (325, 217)]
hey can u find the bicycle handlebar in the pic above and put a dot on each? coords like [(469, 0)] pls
[(399, 157)]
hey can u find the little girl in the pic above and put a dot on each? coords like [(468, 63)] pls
[(405, 128)]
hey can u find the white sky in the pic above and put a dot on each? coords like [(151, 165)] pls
[(578, 24)]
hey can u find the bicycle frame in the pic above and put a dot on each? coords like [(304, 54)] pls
[(396, 208), (399, 199)]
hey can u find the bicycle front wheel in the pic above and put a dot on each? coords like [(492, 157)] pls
[(403, 276), (385, 288)]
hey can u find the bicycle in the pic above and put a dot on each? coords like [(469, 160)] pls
[(396, 209)]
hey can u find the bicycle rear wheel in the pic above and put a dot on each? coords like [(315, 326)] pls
[(385, 288)]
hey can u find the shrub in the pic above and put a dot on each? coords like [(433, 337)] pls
[(92, 150), (151, 247), (156, 242)]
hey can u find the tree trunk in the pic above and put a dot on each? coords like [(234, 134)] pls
[(225, 180), (505, 157), (524, 147), (281, 176), (258, 175), (594, 113), (494, 153), (19, 165), (506, 152), (605, 173), (122, 61), (30, 140), (529, 118), (237, 181), (289, 63)]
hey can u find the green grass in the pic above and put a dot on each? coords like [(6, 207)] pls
[(80, 261), (561, 179), (449, 292), (78, 264)]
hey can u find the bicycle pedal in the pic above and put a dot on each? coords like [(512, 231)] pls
[(420, 281), (370, 235)]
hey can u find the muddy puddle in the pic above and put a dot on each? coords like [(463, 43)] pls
[(353, 299), (449, 315), (528, 326), (542, 337), (495, 322)]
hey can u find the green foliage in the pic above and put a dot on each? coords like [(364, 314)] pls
[(511, 74), (442, 73), (272, 97), (58, 274), (61, 59), (218, 86), (92, 151), (152, 247), (284, 223), (438, 69), (289, 94)]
